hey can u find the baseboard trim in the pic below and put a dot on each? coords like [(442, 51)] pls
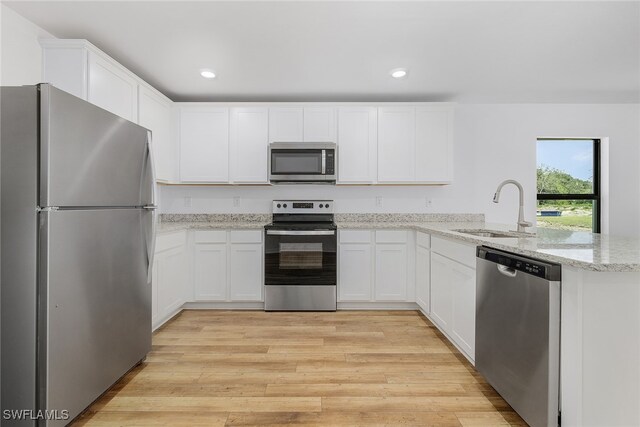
[(377, 306), (213, 305)]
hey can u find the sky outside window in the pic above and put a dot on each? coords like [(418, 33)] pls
[(573, 157)]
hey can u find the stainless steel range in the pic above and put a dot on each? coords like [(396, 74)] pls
[(300, 257)]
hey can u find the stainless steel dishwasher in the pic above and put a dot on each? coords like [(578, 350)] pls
[(518, 332)]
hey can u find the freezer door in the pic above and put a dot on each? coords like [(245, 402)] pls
[(90, 157), (95, 303)]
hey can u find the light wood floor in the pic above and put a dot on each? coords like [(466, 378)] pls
[(217, 368)]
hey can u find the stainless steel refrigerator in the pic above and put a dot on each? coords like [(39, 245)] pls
[(77, 231)]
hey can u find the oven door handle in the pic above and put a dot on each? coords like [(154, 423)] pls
[(301, 232)]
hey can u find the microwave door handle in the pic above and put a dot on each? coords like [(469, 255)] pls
[(324, 162)]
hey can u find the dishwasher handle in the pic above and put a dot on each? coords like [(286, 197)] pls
[(504, 270)]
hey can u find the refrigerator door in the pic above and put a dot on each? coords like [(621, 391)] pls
[(90, 157), (95, 303)]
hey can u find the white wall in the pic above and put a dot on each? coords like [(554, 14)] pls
[(20, 52), (493, 142)]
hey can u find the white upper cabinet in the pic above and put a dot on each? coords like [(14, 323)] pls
[(78, 67), (112, 87), (319, 124), (65, 65), (285, 124), (415, 144), (154, 113), (396, 144), (249, 144), (357, 144), (434, 144), (302, 124), (204, 144)]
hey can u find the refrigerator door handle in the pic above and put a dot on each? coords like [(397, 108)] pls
[(151, 166), (151, 246)]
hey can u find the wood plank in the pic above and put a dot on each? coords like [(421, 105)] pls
[(326, 418), (346, 368), (213, 404)]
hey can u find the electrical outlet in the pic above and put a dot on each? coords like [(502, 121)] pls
[(379, 202), (187, 202), (236, 201)]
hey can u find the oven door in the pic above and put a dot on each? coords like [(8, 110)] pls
[(300, 257)]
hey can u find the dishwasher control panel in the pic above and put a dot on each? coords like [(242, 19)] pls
[(513, 261)]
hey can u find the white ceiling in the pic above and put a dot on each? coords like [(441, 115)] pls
[(580, 52)]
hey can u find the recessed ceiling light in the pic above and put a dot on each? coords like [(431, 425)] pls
[(208, 74), (398, 73)]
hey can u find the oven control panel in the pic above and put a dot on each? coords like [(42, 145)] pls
[(303, 206)]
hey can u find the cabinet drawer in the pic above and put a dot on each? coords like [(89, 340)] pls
[(355, 236), (171, 240), (463, 253), (245, 236), (210, 236), (423, 239), (391, 236)]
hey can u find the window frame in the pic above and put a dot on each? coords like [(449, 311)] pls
[(595, 196)]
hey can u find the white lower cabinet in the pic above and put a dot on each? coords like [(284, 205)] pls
[(228, 265), (391, 272), (374, 266), (441, 291), (463, 328), (423, 272), (453, 292), (356, 278), (210, 271), (245, 271), (170, 276)]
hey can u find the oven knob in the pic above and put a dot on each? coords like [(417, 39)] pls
[(279, 205), (285, 205), (320, 205), (327, 205)]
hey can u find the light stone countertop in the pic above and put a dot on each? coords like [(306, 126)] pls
[(579, 249)]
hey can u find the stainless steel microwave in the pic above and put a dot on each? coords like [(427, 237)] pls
[(302, 163)]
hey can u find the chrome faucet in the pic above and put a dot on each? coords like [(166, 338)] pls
[(522, 224)]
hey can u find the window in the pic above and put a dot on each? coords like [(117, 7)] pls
[(568, 181)]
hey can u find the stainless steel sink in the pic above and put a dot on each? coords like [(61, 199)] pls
[(494, 233)]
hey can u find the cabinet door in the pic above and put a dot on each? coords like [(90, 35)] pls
[(171, 275), (211, 272), (204, 144), (391, 272), (423, 279), (319, 124), (245, 271), (285, 124), (396, 144), (249, 142), (154, 113), (112, 88), (357, 144), (355, 272), (463, 327), (441, 292), (434, 144)]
